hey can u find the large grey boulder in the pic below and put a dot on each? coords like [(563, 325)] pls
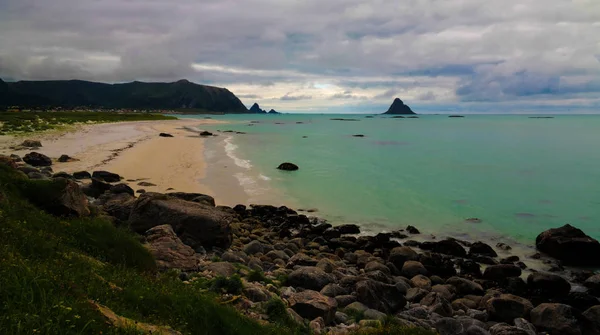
[(570, 245), (168, 250), (311, 305), (507, 307), (382, 297), (556, 319), (63, 198), (310, 277), (196, 224), (37, 159)]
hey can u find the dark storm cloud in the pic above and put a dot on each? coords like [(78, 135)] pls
[(426, 50)]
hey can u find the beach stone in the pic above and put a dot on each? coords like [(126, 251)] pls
[(37, 176), (223, 269), (197, 224), (234, 257), (288, 166), (591, 318), (415, 294), (380, 296), (15, 158), (317, 326), (376, 266), (481, 248), (475, 330), (548, 285), (255, 294), (65, 198), (506, 329), (463, 304), (26, 169), (413, 268), (449, 326), (121, 188), (372, 314), (593, 284), (412, 230), (62, 175), (206, 133), (507, 307), (65, 158), (465, 287), (501, 271), (31, 144), (446, 291), (447, 247), (117, 205), (106, 176), (168, 250), (254, 247), (165, 135), (311, 304), (82, 175), (399, 255), (310, 277), (348, 229), (301, 259), (556, 319), (37, 159), (420, 281), (570, 245), (334, 290), (345, 300)]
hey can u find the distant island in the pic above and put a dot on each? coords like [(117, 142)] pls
[(255, 109), (181, 95), (399, 108)]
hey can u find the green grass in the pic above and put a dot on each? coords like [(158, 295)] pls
[(50, 268), (27, 122)]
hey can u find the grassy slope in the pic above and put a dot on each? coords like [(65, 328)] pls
[(37, 121), (50, 269)]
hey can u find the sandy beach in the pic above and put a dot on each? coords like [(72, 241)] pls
[(135, 151)]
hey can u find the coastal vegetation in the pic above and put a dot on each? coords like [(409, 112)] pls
[(28, 122)]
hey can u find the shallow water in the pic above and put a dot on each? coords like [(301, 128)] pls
[(518, 175)]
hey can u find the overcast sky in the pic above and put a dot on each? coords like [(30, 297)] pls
[(318, 55)]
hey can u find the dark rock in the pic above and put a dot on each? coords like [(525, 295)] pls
[(82, 175), (194, 197), (570, 245), (65, 198), (591, 318), (334, 290), (65, 158), (448, 247), (481, 248), (348, 229), (412, 230), (255, 294), (141, 191), (420, 281), (509, 260), (506, 329), (413, 268), (454, 116), (165, 135), (399, 255), (398, 107), (223, 269), (437, 264), (195, 223), (503, 246), (31, 144), (37, 176), (382, 297), (288, 166), (121, 188), (310, 277), (106, 176), (97, 188), (501, 271), (345, 300), (449, 326), (168, 250), (255, 109), (206, 133), (436, 303), (146, 184), (507, 307), (415, 294), (556, 319), (548, 285), (465, 287), (311, 304), (37, 159), (593, 284), (581, 300), (117, 205), (62, 175), (15, 158)]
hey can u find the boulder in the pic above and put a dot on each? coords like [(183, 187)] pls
[(165, 135), (400, 255), (62, 175), (121, 188), (420, 281), (591, 318), (288, 166), (334, 290), (556, 319), (194, 197), (310, 277), (168, 250), (448, 247), (436, 303), (480, 248), (195, 223), (96, 188), (63, 198), (348, 229), (506, 329), (382, 297), (31, 144), (464, 286), (65, 158), (570, 245), (223, 269), (106, 176), (548, 285), (412, 230), (413, 268), (593, 284), (507, 307), (82, 175), (449, 326), (501, 271), (311, 304), (117, 205), (37, 159)]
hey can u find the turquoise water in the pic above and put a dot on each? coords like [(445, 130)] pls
[(518, 175)]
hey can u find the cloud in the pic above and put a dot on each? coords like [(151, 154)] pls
[(437, 52)]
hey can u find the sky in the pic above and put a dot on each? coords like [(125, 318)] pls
[(322, 55)]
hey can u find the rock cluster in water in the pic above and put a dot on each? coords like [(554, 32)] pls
[(337, 281)]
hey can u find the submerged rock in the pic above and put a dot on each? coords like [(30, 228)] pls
[(288, 166)]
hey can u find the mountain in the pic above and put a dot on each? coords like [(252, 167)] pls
[(255, 109), (136, 95), (272, 111), (398, 107)]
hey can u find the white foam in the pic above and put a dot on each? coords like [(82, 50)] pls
[(263, 177), (248, 184), (230, 150)]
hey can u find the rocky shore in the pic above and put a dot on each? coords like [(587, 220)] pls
[(336, 280)]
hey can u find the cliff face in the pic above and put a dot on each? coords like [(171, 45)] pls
[(136, 95), (398, 107)]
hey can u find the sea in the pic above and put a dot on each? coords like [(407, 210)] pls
[(502, 177)]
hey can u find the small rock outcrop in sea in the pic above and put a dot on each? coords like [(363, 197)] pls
[(288, 166), (37, 159), (398, 107), (272, 111), (569, 245), (165, 135), (454, 116), (206, 133), (255, 109)]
